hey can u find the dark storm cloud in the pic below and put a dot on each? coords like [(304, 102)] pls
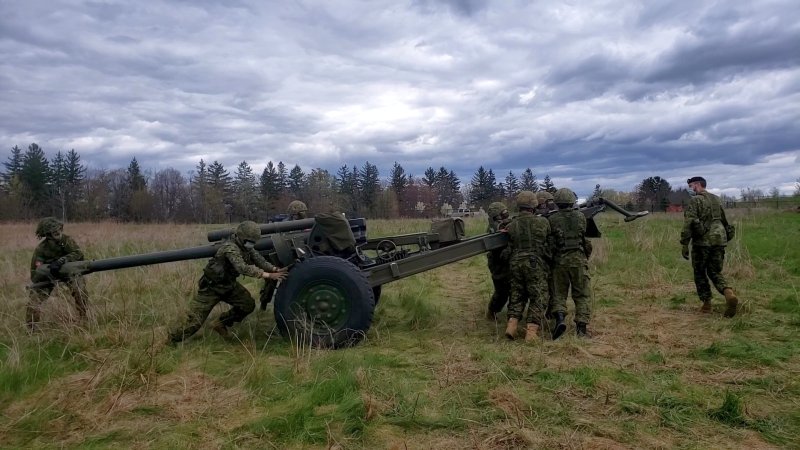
[(603, 92)]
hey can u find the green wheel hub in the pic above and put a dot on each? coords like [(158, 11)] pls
[(325, 303)]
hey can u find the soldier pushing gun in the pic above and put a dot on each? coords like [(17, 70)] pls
[(54, 250)]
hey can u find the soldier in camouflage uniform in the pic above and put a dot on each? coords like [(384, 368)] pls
[(498, 261), (546, 205), (706, 228), (235, 257), (297, 210), (571, 263), (530, 242), (56, 249)]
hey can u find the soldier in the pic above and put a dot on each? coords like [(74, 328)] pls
[(546, 205), (297, 210), (56, 249), (498, 261), (707, 228), (571, 263), (235, 257), (529, 241)]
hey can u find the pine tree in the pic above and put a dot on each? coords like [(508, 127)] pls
[(297, 181), (136, 180), (447, 187), (547, 185), (398, 182), (369, 186), (245, 192), (34, 177), (13, 165), (139, 203), (528, 181), (219, 193), (482, 187), (283, 177), (58, 185), (75, 176), (347, 189), (512, 185), (199, 188), (271, 187), (429, 178)]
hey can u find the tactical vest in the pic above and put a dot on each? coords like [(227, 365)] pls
[(524, 235), (571, 238)]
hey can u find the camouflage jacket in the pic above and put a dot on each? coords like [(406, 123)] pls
[(704, 220), (571, 248), (230, 261), (530, 235), (498, 259), (51, 249)]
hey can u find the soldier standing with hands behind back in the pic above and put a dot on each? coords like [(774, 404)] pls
[(706, 228)]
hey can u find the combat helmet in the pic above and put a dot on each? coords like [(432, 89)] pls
[(565, 196), (48, 226), (297, 208), (495, 209), (526, 199), (544, 196), (248, 231)]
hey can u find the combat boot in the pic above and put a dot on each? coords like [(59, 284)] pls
[(561, 327), (706, 308), (220, 329), (491, 315), (731, 300), (511, 328), (580, 330), (531, 330)]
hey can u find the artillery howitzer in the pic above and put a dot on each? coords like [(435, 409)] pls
[(336, 272)]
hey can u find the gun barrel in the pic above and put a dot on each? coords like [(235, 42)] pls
[(629, 216), (266, 228)]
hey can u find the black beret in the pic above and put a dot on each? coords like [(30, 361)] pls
[(694, 179)]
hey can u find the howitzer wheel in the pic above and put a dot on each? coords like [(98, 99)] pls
[(325, 302)]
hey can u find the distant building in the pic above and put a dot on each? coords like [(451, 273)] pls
[(675, 208)]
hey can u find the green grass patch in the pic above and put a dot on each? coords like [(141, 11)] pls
[(746, 352), (35, 364)]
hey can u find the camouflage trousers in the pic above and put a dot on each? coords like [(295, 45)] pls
[(528, 285), (707, 262), (37, 297), (501, 294), (208, 296), (578, 279)]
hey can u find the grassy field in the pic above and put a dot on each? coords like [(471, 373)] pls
[(432, 372)]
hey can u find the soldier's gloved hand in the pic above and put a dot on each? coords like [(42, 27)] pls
[(685, 252), (55, 266)]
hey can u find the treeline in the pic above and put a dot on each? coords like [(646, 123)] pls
[(34, 186)]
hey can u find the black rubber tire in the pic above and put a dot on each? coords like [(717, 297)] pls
[(345, 292), (376, 294)]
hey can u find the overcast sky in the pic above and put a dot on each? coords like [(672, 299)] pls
[(589, 92)]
